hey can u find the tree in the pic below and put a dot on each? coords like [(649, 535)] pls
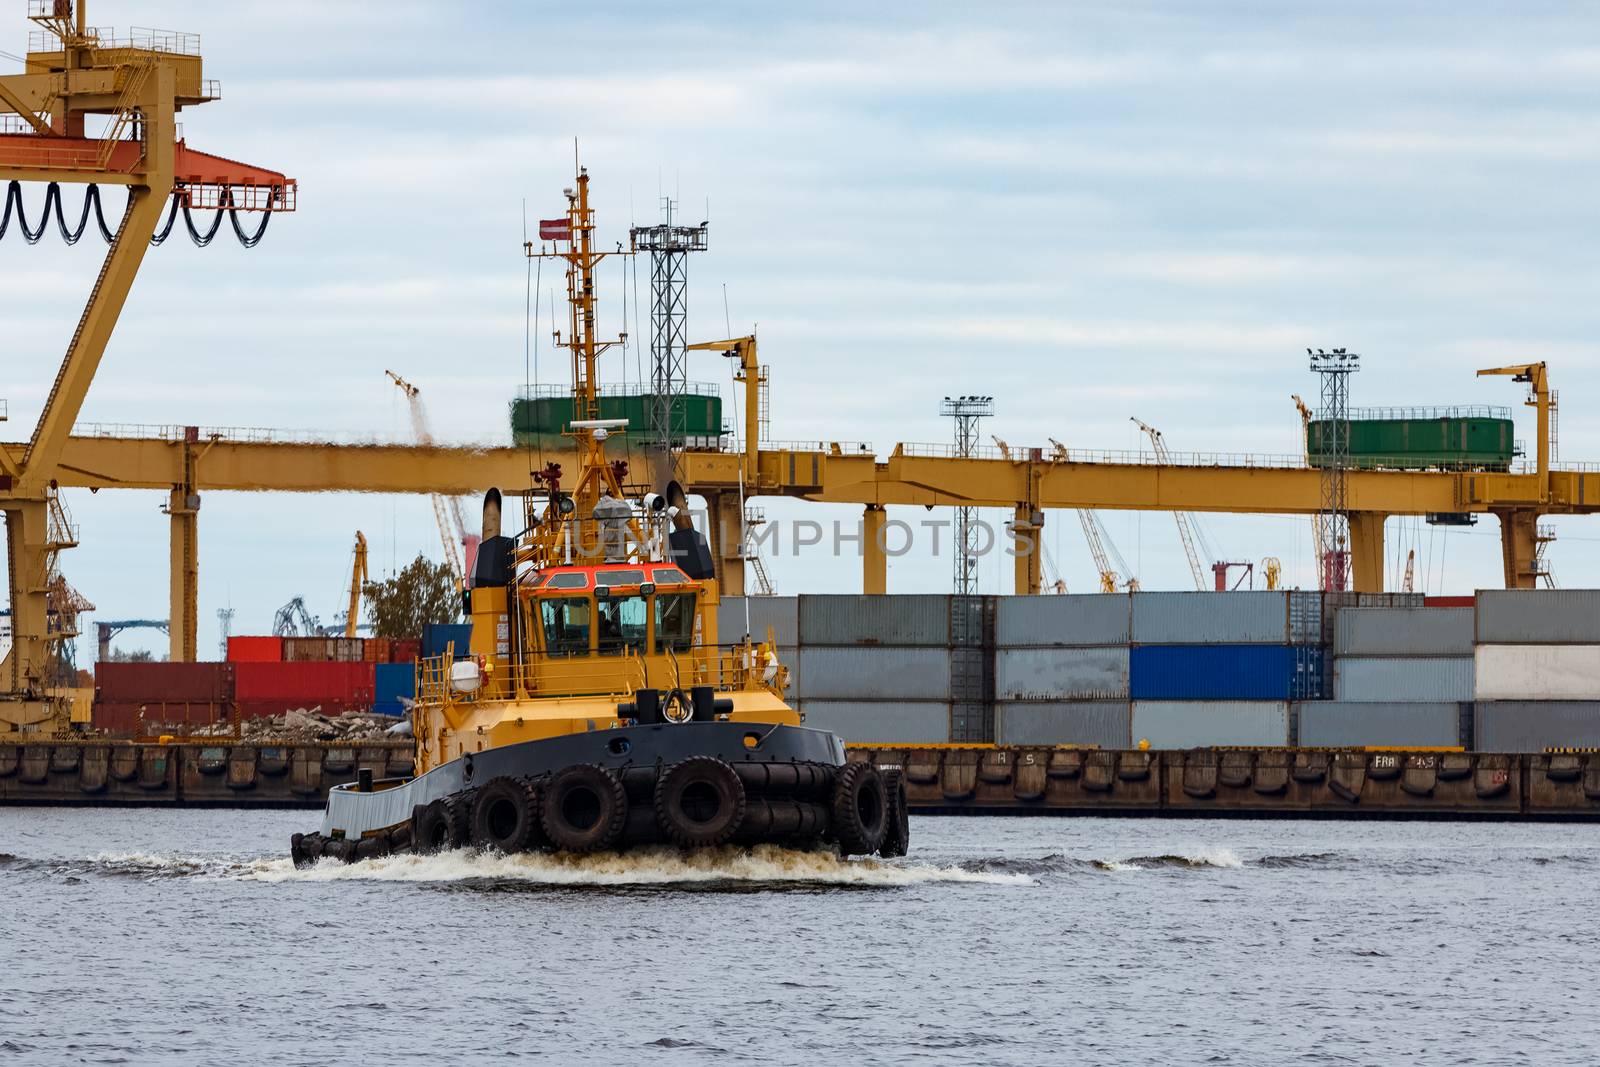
[(422, 593)]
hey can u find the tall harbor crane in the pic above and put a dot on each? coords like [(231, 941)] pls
[(1184, 520), (137, 84), (358, 578), (447, 513)]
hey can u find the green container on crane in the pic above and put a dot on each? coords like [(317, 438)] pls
[(539, 417), (1457, 438)]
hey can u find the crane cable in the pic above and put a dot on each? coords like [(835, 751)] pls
[(91, 198)]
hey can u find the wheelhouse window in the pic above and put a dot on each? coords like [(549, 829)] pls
[(623, 621), (566, 625), (674, 621), (569, 580), (670, 576)]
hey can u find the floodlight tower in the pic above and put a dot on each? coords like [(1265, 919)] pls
[(1333, 457), (669, 246), (966, 411)]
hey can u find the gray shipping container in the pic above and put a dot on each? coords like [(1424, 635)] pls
[(1539, 616), (889, 722), (1078, 619), (875, 673), (1340, 724), (840, 620), (781, 613), (1205, 723), (1403, 678), (1535, 725), (1403, 632), (1211, 618), (1086, 722), (1061, 673)]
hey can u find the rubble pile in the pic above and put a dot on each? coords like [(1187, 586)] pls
[(305, 724)]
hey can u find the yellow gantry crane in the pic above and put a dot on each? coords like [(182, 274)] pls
[(1095, 534), (138, 83), (358, 579)]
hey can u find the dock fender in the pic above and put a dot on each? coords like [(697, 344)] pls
[(1455, 766), (1309, 767), (1200, 773), (400, 764), (154, 767), (1591, 778), (1235, 769), (1347, 775), (922, 767), (124, 763), (1030, 778), (305, 772), (372, 847), (94, 769), (1272, 773), (400, 837), (1384, 766), (861, 809), (211, 760), (814, 825), (64, 759), (1135, 766), (1492, 776), (995, 766), (959, 779), (897, 825), (1421, 774), (34, 766), (585, 808), (640, 784), (241, 770), (272, 761), (1066, 764), (812, 780), (339, 760), (9, 758), (1563, 767), (1099, 772), (700, 802)]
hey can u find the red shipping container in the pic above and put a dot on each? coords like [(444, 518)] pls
[(405, 650), (166, 683), (255, 649), (304, 684), (143, 719), (256, 709), (1449, 601)]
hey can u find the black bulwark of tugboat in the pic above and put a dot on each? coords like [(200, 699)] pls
[(595, 707)]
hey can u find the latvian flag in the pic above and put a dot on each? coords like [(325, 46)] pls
[(555, 229)]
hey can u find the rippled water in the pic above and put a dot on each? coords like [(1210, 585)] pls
[(156, 937)]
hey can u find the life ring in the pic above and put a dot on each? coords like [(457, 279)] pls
[(860, 809), (584, 808), (700, 802), (505, 815)]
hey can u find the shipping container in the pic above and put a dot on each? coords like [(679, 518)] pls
[(1537, 672), (1403, 632), (1539, 616), (972, 722), (875, 674), (1449, 601), (1225, 672), (168, 683), (324, 649), (437, 637), (1077, 619), (1335, 600), (1100, 723), (1403, 678), (1445, 438), (331, 684), (541, 421), (1211, 618), (255, 649), (894, 722), (781, 614), (149, 718), (1535, 725), (391, 681), (377, 649), (903, 621), (1061, 673), (1347, 724), (266, 707), (1211, 723), (404, 650)]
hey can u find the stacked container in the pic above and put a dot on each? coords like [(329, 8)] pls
[(274, 688), (1219, 669), (1537, 676), (1402, 677), (390, 682), (1061, 670), (144, 698), (437, 637), (255, 649)]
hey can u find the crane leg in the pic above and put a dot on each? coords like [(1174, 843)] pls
[(726, 551), (874, 561), (23, 703), (1026, 526), (1366, 550), (184, 575), (1519, 547)]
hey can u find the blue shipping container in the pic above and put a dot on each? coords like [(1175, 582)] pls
[(391, 681), (1225, 672), (437, 636)]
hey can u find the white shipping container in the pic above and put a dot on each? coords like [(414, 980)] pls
[(1209, 723), (1533, 726), (887, 722), (1402, 678), (1537, 672), (1403, 632), (1103, 723), (875, 674), (779, 613), (1245, 618), (1340, 724), (1077, 619), (1539, 616), (1061, 673)]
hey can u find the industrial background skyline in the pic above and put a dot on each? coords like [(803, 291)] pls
[(1087, 211)]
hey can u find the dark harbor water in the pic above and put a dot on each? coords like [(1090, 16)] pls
[(184, 937)]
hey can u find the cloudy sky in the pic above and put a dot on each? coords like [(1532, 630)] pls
[(1086, 210)]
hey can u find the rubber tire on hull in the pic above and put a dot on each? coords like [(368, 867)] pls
[(700, 802), (436, 828), (505, 815), (584, 808), (897, 831), (860, 809), (342, 849)]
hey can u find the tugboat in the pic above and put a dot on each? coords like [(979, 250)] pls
[(595, 709)]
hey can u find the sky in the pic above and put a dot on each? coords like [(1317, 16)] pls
[(1088, 211)]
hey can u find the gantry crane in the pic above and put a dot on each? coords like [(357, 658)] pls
[(1185, 522), (1095, 534), (447, 512), (1522, 539), (105, 631), (138, 83)]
